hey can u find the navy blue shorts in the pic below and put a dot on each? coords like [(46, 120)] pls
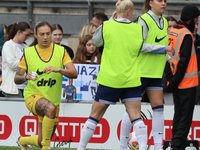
[(151, 84), (110, 95)]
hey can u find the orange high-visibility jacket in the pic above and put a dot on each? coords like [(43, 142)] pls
[(190, 78)]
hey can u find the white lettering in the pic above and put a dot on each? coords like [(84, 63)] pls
[(2, 126), (74, 128), (195, 133), (63, 127), (29, 131), (151, 135), (190, 132), (56, 132), (165, 127), (87, 69)]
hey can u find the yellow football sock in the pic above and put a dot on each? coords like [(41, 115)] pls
[(31, 140), (47, 129)]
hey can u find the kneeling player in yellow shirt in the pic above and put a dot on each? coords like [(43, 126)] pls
[(44, 64)]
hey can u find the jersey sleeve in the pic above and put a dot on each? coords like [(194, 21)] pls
[(22, 63), (66, 58), (74, 88)]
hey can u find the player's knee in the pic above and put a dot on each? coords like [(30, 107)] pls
[(51, 111)]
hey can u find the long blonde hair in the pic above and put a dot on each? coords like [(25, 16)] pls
[(86, 30)]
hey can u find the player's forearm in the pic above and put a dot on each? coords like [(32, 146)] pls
[(19, 79), (19, 76), (70, 73), (63, 94)]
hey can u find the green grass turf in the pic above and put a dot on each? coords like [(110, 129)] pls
[(32, 148), (35, 148)]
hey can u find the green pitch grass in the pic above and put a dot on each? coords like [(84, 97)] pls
[(35, 148), (32, 148)]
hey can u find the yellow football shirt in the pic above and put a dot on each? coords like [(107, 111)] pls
[(45, 55)]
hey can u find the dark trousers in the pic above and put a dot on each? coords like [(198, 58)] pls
[(198, 91), (184, 101)]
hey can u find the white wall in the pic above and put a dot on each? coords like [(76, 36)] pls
[(15, 120)]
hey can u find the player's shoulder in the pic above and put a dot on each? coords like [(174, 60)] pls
[(58, 46), (73, 87), (29, 48), (59, 49)]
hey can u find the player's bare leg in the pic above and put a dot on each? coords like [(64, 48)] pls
[(97, 112), (48, 110)]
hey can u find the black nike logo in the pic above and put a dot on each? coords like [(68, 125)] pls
[(39, 73), (158, 40)]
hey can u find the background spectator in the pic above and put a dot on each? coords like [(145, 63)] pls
[(1, 38), (9, 27), (56, 38), (197, 48), (171, 22), (99, 18), (87, 52), (87, 29), (5, 29), (11, 53), (167, 95)]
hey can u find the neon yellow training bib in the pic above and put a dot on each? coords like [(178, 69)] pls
[(47, 85), (119, 63), (152, 65)]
